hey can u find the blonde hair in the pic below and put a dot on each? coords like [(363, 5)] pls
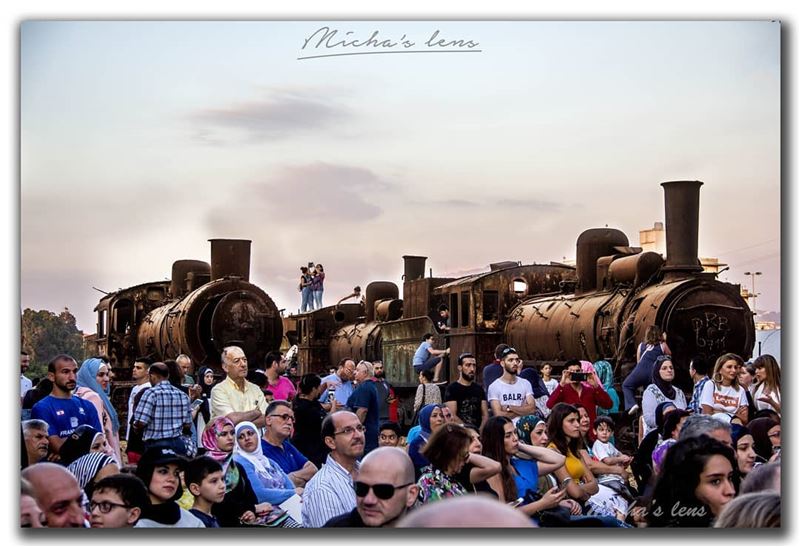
[(724, 358)]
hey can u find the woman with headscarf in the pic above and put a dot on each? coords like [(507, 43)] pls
[(743, 446), (269, 481), (605, 374), (202, 414), (82, 441), (430, 420), (94, 385), (660, 391), (91, 468)]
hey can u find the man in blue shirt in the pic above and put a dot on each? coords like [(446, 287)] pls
[(340, 382), (279, 419), (426, 358), (364, 402), (62, 411)]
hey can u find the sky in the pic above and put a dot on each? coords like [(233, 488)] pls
[(141, 140)]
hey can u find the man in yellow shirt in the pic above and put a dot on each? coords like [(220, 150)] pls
[(235, 397)]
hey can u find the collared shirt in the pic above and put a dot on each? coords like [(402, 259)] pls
[(342, 392), (328, 494), (286, 456), (134, 390), (283, 389), (164, 409), (226, 397), (694, 404)]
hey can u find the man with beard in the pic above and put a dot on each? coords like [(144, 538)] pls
[(281, 387), (385, 491), (340, 382), (330, 493), (466, 399), (36, 441), (386, 397), (62, 411), (509, 395)]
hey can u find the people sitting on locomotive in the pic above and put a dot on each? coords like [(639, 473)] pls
[(426, 357)]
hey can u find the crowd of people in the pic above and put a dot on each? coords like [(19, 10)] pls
[(528, 447)]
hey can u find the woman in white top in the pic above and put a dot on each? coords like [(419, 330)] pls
[(767, 391), (723, 397), (660, 391)]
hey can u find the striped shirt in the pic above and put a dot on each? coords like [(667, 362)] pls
[(694, 404), (328, 494), (164, 409)]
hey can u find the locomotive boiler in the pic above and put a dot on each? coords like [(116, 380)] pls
[(202, 309), (621, 291)]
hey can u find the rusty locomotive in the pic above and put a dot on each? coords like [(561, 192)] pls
[(598, 309)]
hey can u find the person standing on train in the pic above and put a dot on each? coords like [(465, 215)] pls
[(654, 346), (317, 287), (304, 287)]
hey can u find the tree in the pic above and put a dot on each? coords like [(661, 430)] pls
[(45, 335)]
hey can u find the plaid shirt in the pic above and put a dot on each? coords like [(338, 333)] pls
[(694, 404), (164, 409)]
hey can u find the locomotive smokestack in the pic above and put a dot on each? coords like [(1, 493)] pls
[(682, 216), (230, 257), (413, 267)]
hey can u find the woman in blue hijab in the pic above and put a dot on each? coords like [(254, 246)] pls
[(430, 419), (94, 384)]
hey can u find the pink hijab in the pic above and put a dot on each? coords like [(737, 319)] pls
[(586, 366), (209, 439)]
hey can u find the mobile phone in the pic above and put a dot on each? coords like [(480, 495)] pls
[(579, 376), (564, 484), (196, 403), (516, 502)]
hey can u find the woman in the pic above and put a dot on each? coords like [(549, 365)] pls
[(428, 393), (159, 469), (722, 396), (308, 416), (698, 479), (202, 413), (94, 385), (523, 464), (747, 374), (654, 346), (766, 437), (317, 287), (430, 420), (754, 510), (660, 391), (767, 391), (745, 454), (606, 376), (91, 468), (84, 440), (240, 506), (268, 480), (532, 430), (305, 290), (668, 435), (478, 468), (447, 450)]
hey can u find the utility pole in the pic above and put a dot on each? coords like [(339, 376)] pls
[(753, 288)]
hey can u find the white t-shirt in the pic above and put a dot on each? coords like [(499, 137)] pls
[(134, 390), (761, 405), (515, 394), (24, 385), (725, 399), (551, 385)]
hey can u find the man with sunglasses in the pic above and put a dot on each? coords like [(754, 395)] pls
[(118, 501), (385, 491), (276, 445), (330, 492)]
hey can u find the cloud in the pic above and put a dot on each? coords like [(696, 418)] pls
[(285, 112), (526, 204)]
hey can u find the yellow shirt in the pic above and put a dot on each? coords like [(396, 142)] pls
[(226, 397), (573, 464)]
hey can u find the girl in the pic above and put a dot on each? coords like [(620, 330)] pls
[(767, 391)]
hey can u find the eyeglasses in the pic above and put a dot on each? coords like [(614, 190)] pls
[(349, 430), (382, 491), (284, 417), (106, 506)]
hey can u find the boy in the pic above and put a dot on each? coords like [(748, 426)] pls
[(607, 453), (118, 501), (389, 434), (203, 477)]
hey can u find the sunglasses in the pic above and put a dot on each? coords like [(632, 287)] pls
[(507, 351), (382, 491)]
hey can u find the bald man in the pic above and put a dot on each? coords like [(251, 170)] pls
[(385, 490), (58, 495), (466, 512)]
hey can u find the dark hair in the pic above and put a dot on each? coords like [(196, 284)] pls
[(394, 426), (671, 421), (308, 383), (198, 469), (443, 307), (130, 489), (653, 334), (444, 446), (466, 355), (146, 468), (680, 476), (499, 349), (427, 374), (555, 429), (275, 404), (493, 441), (175, 372), (146, 360), (426, 336), (51, 366), (257, 378), (272, 358), (700, 364), (603, 420), (328, 428), (572, 363), (268, 392)]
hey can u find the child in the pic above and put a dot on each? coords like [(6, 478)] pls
[(159, 469), (607, 453), (204, 480), (389, 434), (550, 383), (118, 501)]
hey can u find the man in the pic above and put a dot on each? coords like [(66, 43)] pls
[(341, 381), (235, 397), (62, 411), (572, 390), (702, 424), (276, 445), (118, 501), (493, 370), (466, 512), (364, 402), (509, 395), (443, 324), (466, 399), (163, 414), (281, 387), (386, 397), (385, 491), (141, 380), (25, 383), (426, 358), (58, 495), (36, 441), (185, 363), (330, 493), (698, 371)]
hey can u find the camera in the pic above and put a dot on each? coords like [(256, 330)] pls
[(579, 376)]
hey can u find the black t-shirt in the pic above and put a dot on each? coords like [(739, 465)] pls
[(308, 430), (478, 487), (468, 401)]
